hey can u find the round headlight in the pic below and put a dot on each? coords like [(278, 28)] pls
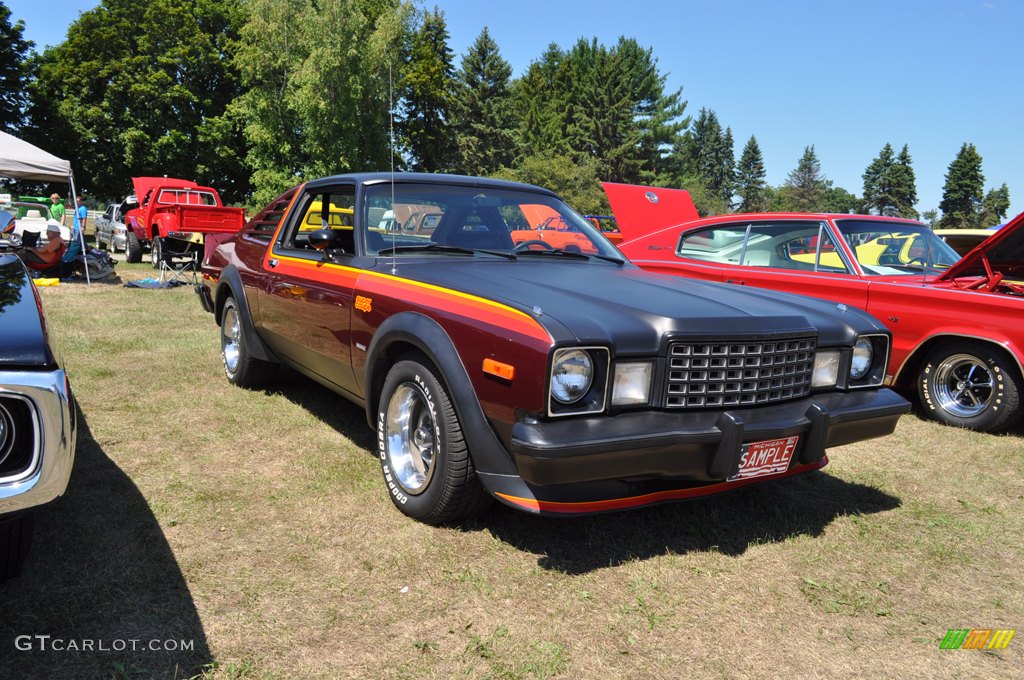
[(571, 375), (861, 363), (6, 433)]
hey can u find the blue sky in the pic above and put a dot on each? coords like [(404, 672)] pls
[(846, 76)]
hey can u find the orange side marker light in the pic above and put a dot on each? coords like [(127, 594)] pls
[(497, 368)]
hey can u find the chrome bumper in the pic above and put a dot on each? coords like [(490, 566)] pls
[(46, 475)]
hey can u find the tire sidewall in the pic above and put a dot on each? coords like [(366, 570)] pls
[(423, 504), (230, 304), (992, 417)]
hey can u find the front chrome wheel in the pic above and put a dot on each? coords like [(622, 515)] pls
[(410, 438), (964, 385)]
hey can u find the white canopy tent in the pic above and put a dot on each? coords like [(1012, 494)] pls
[(21, 160)]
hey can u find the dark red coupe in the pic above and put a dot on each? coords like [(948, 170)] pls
[(559, 380)]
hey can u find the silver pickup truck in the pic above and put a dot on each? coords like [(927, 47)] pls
[(38, 421), (111, 231)]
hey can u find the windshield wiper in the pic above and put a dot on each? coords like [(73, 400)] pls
[(444, 248), (572, 254)]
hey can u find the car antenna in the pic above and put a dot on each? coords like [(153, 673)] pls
[(391, 137)]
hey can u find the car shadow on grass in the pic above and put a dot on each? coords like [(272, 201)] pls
[(728, 524), (102, 582)]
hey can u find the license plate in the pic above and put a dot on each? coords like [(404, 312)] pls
[(761, 459)]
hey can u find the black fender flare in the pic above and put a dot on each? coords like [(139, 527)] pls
[(427, 336), (230, 283)]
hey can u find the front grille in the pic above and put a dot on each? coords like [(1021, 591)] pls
[(738, 372)]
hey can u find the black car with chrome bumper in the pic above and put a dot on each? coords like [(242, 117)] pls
[(38, 425)]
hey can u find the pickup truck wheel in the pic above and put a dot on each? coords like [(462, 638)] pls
[(15, 540), (423, 454), (967, 384), (240, 366), (132, 248), (156, 250)]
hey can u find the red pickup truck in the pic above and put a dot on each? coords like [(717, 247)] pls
[(172, 216)]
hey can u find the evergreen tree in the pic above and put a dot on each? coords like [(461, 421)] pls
[(484, 114), (705, 159), (961, 196), (606, 104), (905, 185), (805, 186), (994, 207), (751, 186), (429, 83), (879, 190), (14, 71)]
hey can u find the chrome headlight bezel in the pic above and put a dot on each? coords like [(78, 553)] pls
[(874, 376), (593, 398)]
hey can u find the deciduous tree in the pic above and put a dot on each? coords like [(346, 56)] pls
[(14, 71)]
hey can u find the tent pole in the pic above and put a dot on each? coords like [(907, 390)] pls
[(81, 231)]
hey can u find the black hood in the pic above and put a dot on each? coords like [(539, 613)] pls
[(635, 311)]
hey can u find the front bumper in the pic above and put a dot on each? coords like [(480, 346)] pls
[(583, 465), (46, 476)]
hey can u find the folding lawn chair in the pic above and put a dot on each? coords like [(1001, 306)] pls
[(179, 261)]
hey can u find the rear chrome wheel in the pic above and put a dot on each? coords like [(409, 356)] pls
[(240, 366)]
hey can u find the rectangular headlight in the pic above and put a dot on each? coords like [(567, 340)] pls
[(632, 383), (826, 369)]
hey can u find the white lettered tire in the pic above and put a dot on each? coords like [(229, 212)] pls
[(423, 455)]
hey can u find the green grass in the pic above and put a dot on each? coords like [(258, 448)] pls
[(255, 525)]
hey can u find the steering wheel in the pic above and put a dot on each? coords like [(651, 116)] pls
[(918, 261), (526, 245)]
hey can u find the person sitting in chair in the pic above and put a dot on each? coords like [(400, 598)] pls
[(47, 256)]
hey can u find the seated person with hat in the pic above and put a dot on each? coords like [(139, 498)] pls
[(47, 256)]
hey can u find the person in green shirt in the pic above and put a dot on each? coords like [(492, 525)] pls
[(57, 209)]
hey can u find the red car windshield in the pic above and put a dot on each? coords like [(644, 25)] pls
[(893, 248)]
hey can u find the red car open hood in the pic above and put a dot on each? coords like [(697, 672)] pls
[(1004, 252), (144, 184), (641, 210)]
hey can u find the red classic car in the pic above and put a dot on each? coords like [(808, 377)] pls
[(558, 381), (958, 325)]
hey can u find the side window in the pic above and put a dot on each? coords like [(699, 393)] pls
[(329, 209), (802, 250), (721, 244)]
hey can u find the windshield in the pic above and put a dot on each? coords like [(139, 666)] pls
[(412, 219), (893, 248)]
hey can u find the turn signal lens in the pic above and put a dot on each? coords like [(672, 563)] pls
[(826, 369), (632, 383)]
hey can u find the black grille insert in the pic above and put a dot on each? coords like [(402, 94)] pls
[(738, 372)]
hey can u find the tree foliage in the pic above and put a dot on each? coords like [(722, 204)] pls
[(575, 180), (805, 187), (751, 186), (14, 71), (605, 104), (994, 206), (484, 113), (889, 185), (318, 97), (961, 195), (429, 97), (135, 90)]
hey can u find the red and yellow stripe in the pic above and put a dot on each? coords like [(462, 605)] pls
[(631, 502)]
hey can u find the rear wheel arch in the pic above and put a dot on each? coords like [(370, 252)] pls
[(230, 285)]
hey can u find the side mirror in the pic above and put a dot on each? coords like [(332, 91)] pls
[(322, 239)]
